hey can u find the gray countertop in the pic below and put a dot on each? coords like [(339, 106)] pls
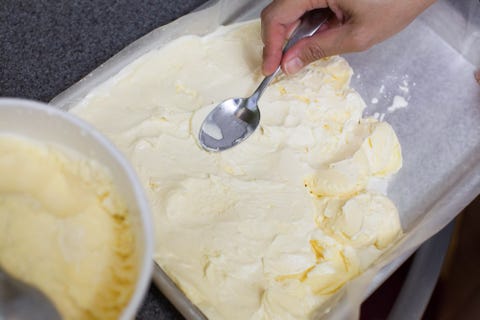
[(46, 46)]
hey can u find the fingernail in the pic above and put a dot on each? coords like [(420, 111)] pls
[(293, 66)]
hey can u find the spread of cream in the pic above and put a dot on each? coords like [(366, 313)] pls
[(273, 227)]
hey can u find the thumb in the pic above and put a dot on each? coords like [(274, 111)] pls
[(323, 44)]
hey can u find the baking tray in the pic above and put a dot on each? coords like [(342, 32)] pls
[(438, 120)]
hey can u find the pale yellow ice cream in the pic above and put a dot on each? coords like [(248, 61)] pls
[(64, 229), (271, 228)]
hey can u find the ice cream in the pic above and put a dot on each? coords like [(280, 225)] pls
[(273, 227), (64, 228)]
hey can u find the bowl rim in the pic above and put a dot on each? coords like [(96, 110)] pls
[(145, 271)]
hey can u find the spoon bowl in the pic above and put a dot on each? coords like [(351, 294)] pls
[(228, 124)]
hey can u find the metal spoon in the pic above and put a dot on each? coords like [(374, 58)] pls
[(20, 301), (234, 120)]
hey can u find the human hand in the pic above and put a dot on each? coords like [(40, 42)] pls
[(356, 26)]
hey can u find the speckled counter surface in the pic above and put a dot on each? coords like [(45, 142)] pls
[(47, 46)]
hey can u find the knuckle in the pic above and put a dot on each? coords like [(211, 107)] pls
[(265, 14), (313, 52), (269, 12), (313, 4)]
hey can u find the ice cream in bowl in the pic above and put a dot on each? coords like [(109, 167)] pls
[(74, 219)]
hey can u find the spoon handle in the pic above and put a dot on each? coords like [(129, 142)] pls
[(310, 23), (252, 101), (22, 301)]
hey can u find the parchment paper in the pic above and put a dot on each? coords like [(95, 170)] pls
[(420, 81)]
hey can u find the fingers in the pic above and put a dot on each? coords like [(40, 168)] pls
[(360, 24), (323, 44), (477, 76), (274, 36), (278, 20)]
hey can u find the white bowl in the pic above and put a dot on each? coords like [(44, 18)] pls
[(42, 122)]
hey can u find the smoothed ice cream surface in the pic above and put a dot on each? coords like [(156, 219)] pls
[(64, 228), (273, 227)]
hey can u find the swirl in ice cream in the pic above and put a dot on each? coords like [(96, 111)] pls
[(271, 228)]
